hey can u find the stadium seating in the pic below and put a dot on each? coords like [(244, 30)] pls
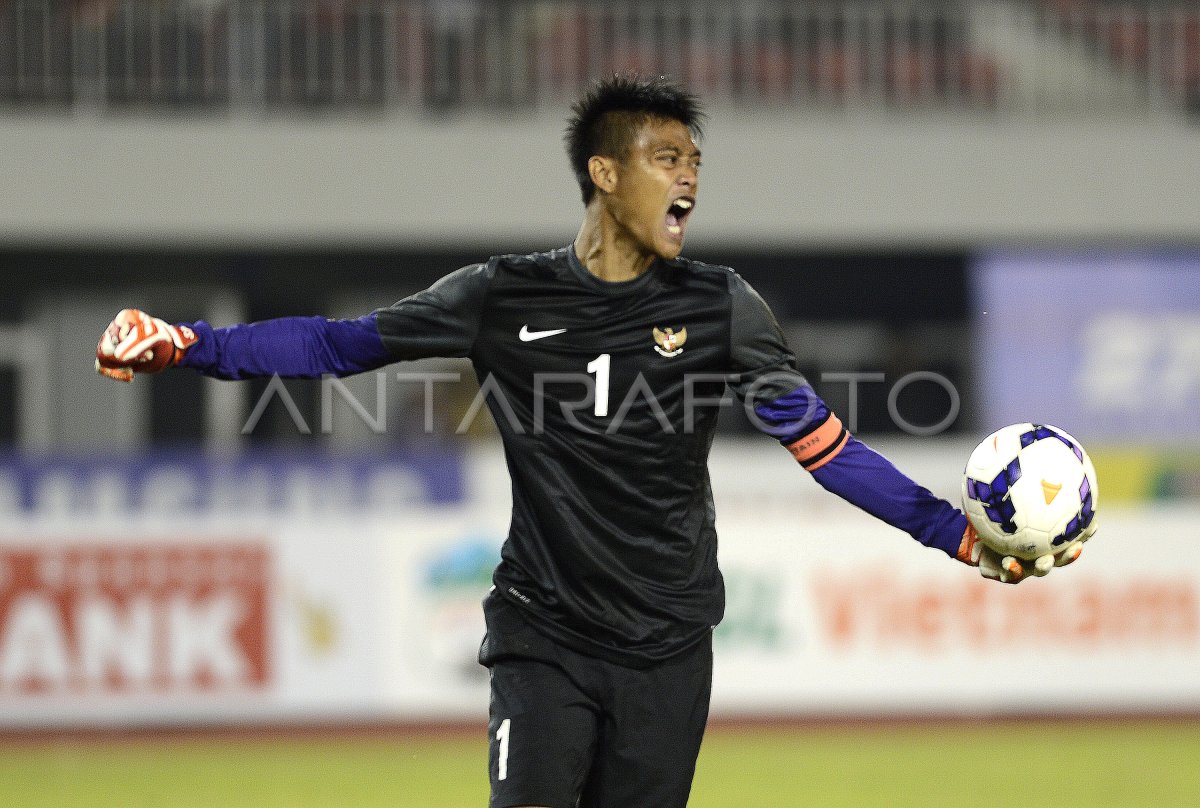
[(368, 55)]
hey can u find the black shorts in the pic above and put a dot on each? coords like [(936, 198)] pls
[(568, 730)]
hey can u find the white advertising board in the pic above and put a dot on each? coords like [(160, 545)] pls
[(845, 616), (166, 622), (229, 618)]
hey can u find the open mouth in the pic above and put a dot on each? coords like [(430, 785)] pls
[(677, 214)]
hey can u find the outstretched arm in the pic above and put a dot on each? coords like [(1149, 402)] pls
[(439, 321), (293, 347), (849, 468), (842, 464), (782, 404), (845, 466)]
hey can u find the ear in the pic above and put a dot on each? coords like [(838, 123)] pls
[(603, 171)]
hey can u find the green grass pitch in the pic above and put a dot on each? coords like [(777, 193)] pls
[(1089, 763)]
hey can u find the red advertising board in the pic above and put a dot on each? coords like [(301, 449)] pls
[(136, 618)]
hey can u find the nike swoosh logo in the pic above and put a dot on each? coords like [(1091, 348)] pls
[(529, 336)]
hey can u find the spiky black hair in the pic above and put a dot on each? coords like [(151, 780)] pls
[(604, 120)]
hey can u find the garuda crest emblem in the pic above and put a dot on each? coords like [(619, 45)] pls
[(668, 341)]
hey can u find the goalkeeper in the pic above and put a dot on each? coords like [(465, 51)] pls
[(604, 362)]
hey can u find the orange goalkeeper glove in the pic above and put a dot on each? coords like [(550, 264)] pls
[(135, 342), (1012, 570)]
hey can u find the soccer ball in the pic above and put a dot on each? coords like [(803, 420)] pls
[(1029, 490)]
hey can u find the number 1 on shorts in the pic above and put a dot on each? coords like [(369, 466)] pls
[(502, 737)]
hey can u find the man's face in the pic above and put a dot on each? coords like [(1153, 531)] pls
[(657, 185)]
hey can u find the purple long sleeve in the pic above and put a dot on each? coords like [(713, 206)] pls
[(856, 473), (863, 477), (292, 347)]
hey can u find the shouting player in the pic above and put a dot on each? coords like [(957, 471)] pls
[(603, 361)]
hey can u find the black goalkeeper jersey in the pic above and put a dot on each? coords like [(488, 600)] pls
[(606, 396)]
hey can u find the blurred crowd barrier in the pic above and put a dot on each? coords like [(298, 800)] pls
[(222, 55)]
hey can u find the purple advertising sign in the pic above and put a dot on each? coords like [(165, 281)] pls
[(194, 482), (1103, 345)]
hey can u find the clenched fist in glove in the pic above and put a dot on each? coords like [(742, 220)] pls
[(135, 342), (1011, 570)]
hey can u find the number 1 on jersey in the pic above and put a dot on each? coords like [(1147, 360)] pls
[(600, 366)]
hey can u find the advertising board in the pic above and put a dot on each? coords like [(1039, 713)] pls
[(1105, 345), (241, 618)]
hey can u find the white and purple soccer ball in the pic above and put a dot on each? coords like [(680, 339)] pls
[(1029, 490)]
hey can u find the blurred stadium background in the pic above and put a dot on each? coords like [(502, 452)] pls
[(965, 214)]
